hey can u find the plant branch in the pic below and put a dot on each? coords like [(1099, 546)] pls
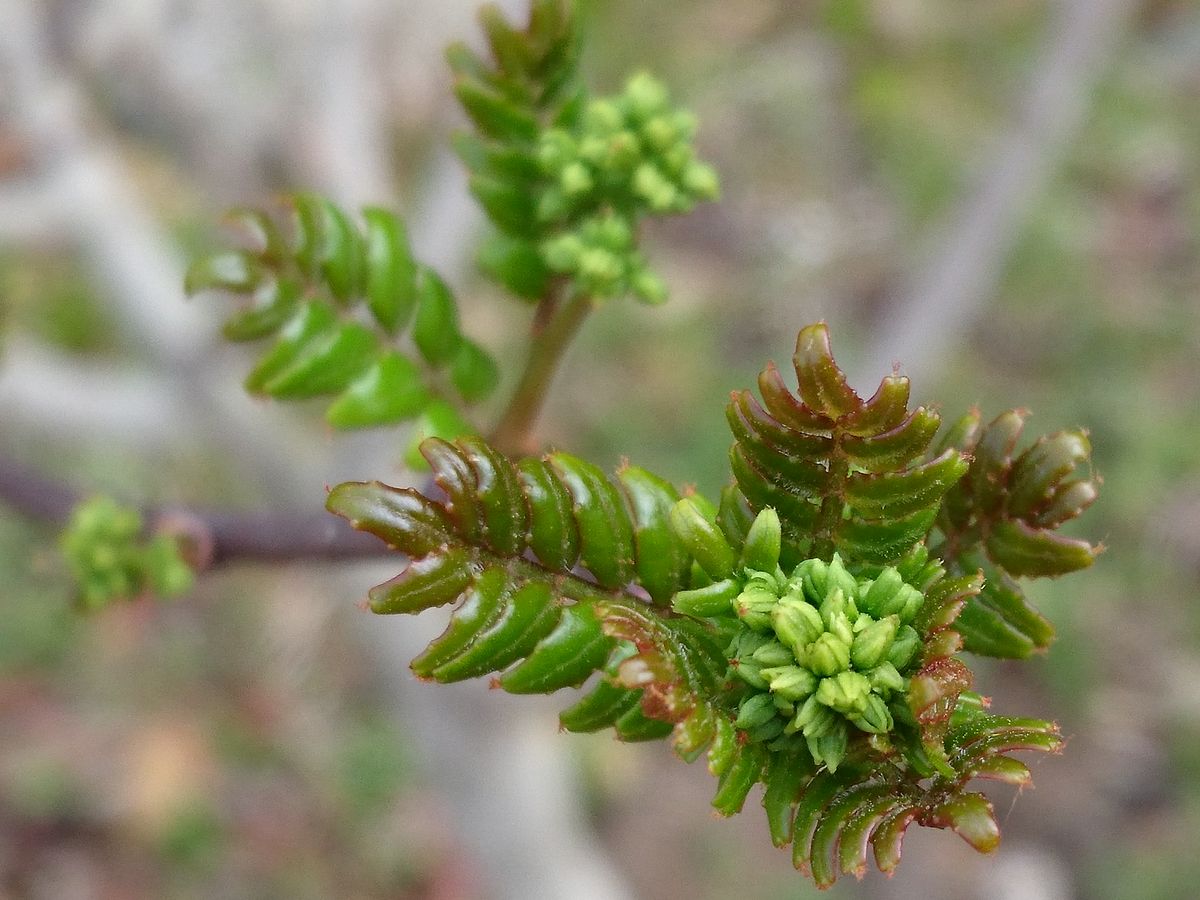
[(512, 434), (222, 536)]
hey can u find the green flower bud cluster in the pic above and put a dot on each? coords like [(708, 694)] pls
[(822, 651), (108, 556), (627, 156), (601, 255)]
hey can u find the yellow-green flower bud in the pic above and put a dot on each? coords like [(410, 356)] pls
[(838, 577), (624, 149), (813, 719), (703, 539), (651, 185), (884, 678), (875, 718), (810, 576), (846, 692), (827, 655), (830, 748), (751, 673), (755, 606), (755, 710), (602, 117), (877, 598), (645, 95), (701, 181), (649, 287), (773, 653), (790, 682), (904, 648), (872, 643), (556, 150), (763, 542), (576, 180), (660, 133), (834, 604), (796, 623)]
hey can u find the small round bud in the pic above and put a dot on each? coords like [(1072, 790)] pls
[(875, 718), (645, 95), (904, 648), (701, 181), (755, 710), (575, 180), (773, 653), (827, 655), (797, 623), (846, 692), (877, 598), (790, 682), (872, 643), (885, 679)]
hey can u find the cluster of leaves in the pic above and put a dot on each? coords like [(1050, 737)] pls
[(565, 178), (803, 631), (310, 291), (112, 558)]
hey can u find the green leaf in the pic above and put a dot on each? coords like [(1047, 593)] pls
[(474, 373), (436, 327), (236, 272), (391, 274), (392, 390)]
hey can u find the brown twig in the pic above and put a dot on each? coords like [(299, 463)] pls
[(227, 536)]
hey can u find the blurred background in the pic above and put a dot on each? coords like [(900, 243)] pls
[(1003, 196)]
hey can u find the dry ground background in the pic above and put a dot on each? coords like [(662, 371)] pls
[(1002, 195)]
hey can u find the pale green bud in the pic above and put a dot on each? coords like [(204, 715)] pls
[(594, 150), (602, 117), (624, 150), (790, 682), (645, 95), (655, 188), (763, 542), (773, 653), (677, 159), (813, 719), (872, 643), (715, 599), (846, 692), (839, 577), (830, 748), (884, 678), (768, 731), (911, 602), (576, 180), (755, 606), (556, 150), (876, 599), (827, 655), (649, 287), (660, 133), (744, 643), (755, 710), (797, 623), (701, 181), (751, 673), (600, 267), (875, 717), (834, 604), (904, 648), (812, 575), (784, 705), (840, 626), (552, 205)]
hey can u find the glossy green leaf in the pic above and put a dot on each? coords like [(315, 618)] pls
[(391, 390)]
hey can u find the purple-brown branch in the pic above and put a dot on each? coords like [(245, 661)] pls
[(223, 536)]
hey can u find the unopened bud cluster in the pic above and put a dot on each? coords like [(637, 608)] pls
[(110, 559), (629, 156), (821, 650)]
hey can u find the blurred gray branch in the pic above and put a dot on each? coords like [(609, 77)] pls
[(943, 298)]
